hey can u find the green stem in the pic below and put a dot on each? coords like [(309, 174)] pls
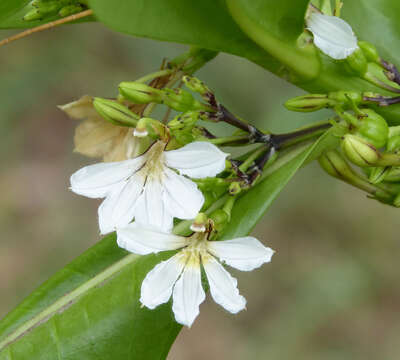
[(253, 156), (229, 205), (228, 140)]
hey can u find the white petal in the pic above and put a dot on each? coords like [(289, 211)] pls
[(245, 253), (198, 159), (118, 208), (188, 294), (181, 196), (142, 241), (223, 286), (97, 180), (332, 35), (150, 210), (157, 285)]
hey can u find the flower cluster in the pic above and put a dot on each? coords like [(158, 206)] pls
[(156, 174)]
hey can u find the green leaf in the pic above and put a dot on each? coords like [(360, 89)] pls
[(204, 23), (276, 27), (91, 309)]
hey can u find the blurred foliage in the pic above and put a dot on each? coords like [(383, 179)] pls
[(331, 290)]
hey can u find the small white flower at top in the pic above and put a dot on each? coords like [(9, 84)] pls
[(147, 188), (180, 276), (332, 35)]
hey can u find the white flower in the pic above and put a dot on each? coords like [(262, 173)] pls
[(180, 276), (146, 188), (332, 35)]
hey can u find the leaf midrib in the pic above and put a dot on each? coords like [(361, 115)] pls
[(67, 300)]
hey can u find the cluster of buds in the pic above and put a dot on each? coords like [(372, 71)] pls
[(366, 140), (43, 9)]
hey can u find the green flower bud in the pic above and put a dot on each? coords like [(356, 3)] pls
[(378, 174), (69, 10), (180, 100), (369, 125), (33, 15), (359, 151), (374, 128), (357, 62), (115, 112), (334, 164), (308, 103), (370, 51), (140, 93), (184, 121), (195, 85), (393, 174)]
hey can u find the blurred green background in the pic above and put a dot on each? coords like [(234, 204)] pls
[(331, 291)]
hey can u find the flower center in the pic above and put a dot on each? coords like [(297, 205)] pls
[(196, 250), (154, 165)]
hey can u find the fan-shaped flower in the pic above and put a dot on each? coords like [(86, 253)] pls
[(147, 188), (180, 276), (332, 35)]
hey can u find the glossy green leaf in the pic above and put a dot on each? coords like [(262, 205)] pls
[(91, 310), (205, 23)]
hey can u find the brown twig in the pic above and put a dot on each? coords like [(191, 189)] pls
[(47, 26)]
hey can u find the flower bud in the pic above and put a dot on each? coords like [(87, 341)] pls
[(334, 164), (359, 151), (180, 100), (370, 51), (195, 85), (184, 121), (115, 112), (357, 62), (373, 128), (310, 102), (33, 15), (47, 7), (70, 9), (139, 93), (378, 174), (393, 174)]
